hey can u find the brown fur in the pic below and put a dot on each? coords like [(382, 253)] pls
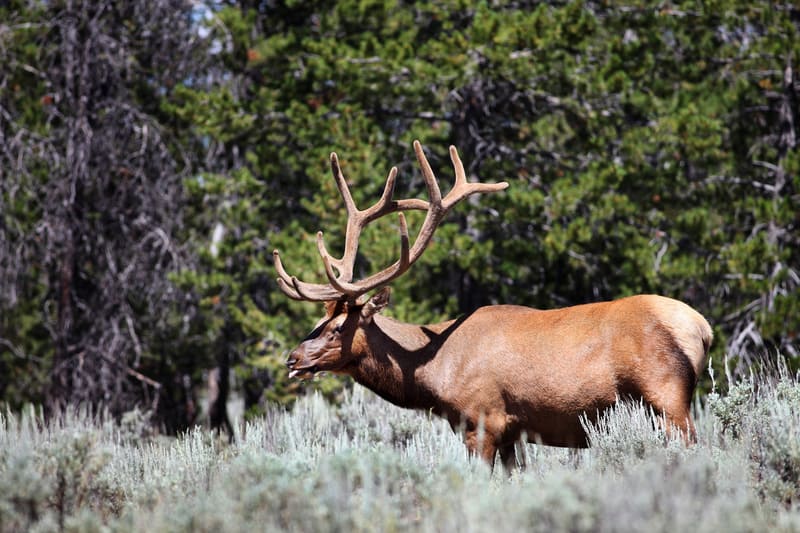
[(507, 371)]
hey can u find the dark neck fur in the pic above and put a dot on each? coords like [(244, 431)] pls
[(391, 362)]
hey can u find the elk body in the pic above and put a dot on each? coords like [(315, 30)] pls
[(503, 371)]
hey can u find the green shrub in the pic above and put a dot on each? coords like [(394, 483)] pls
[(733, 409)]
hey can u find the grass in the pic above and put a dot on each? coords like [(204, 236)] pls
[(368, 466)]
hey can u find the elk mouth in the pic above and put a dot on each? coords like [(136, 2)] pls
[(302, 372)]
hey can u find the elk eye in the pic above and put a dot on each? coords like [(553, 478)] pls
[(337, 329)]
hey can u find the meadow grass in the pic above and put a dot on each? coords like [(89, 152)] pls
[(366, 465)]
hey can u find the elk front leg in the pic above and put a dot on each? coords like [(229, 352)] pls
[(513, 455), (679, 423)]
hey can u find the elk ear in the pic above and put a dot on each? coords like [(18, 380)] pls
[(376, 303), (333, 308)]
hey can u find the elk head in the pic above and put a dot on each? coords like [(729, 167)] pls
[(335, 339)]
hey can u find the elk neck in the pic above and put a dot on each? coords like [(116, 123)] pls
[(392, 360)]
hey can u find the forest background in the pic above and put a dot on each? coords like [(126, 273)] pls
[(153, 154)]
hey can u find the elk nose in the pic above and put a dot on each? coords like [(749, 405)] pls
[(291, 361)]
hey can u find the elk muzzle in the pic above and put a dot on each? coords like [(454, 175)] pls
[(300, 366)]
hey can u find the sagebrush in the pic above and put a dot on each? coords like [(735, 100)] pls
[(367, 466)]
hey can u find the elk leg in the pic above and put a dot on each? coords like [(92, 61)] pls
[(676, 416), (680, 420), (672, 402), (482, 444), (511, 457)]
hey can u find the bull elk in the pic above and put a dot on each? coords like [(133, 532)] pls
[(502, 371)]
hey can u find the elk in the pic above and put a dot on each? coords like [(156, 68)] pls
[(500, 372)]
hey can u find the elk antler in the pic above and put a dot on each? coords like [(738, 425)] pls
[(340, 271)]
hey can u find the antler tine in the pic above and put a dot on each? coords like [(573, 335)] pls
[(385, 204), (307, 292), (350, 208), (298, 290), (283, 275), (287, 290), (404, 262), (327, 260), (458, 167), (462, 188), (434, 193), (341, 184)]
